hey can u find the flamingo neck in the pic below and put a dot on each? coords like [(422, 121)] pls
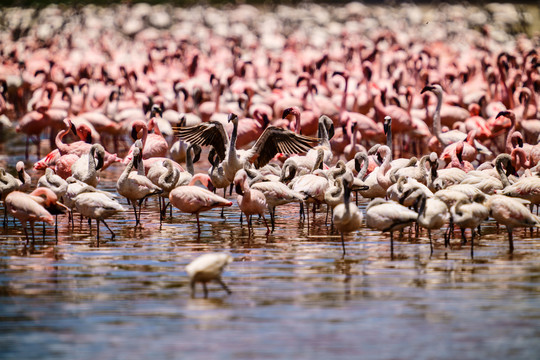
[(437, 117), (203, 178), (509, 134)]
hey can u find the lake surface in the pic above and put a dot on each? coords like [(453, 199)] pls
[(294, 295)]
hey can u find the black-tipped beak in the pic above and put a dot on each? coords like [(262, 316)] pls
[(57, 209), (286, 113), (520, 142), (134, 134), (211, 186), (88, 139), (99, 164), (502, 113), (238, 189), (427, 88), (232, 116), (73, 129)]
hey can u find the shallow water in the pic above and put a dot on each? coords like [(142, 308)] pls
[(294, 295)]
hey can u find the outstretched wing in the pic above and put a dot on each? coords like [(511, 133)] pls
[(276, 140), (210, 133)]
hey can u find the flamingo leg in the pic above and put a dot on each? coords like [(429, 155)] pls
[(430, 241), (472, 243), (392, 245), (343, 243), (198, 223), (135, 212), (97, 225), (272, 217), (224, 286), (113, 235), (26, 232), (265, 223), (205, 290), (463, 237), (510, 240)]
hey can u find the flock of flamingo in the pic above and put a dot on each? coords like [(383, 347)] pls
[(306, 106)]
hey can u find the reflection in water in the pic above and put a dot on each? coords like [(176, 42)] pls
[(294, 296)]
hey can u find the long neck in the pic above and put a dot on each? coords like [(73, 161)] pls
[(155, 126), (346, 196), (500, 170), (92, 162), (353, 140), (169, 178), (508, 142), (422, 166), (437, 117), (365, 164), (189, 162), (58, 140), (344, 99), (234, 136), (127, 170), (323, 135), (389, 142), (298, 123)]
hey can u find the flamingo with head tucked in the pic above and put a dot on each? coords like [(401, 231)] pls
[(194, 199)]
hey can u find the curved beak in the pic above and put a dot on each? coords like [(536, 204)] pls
[(134, 134), (427, 88), (286, 113)]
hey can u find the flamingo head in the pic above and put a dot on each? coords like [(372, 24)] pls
[(84, 132), (508, 114), (232, 118), (156, 109), (49, 201), (387, 124), (137, 129)]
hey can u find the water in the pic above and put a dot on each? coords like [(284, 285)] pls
[(294, 295)]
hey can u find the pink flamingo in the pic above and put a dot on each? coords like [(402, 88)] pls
[(250, 201), (194, 199), (154, 145), (469, 151), (456, 159), (80, 148), (39, 205), (250, 130)]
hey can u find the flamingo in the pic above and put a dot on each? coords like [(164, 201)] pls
[(206, 268), (54, 182), (467, 214), (347, 217), (8, 184), (98, 206), (154, 145), (512, 213), (135, 187), (194, 199), (250, 201), (85, 168), (25, 181), (389, 216), (451, 136), (276, 194), (272, 141), (432, 214), (39, 205)]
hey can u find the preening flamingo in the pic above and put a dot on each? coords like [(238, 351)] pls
[(194, 199)]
